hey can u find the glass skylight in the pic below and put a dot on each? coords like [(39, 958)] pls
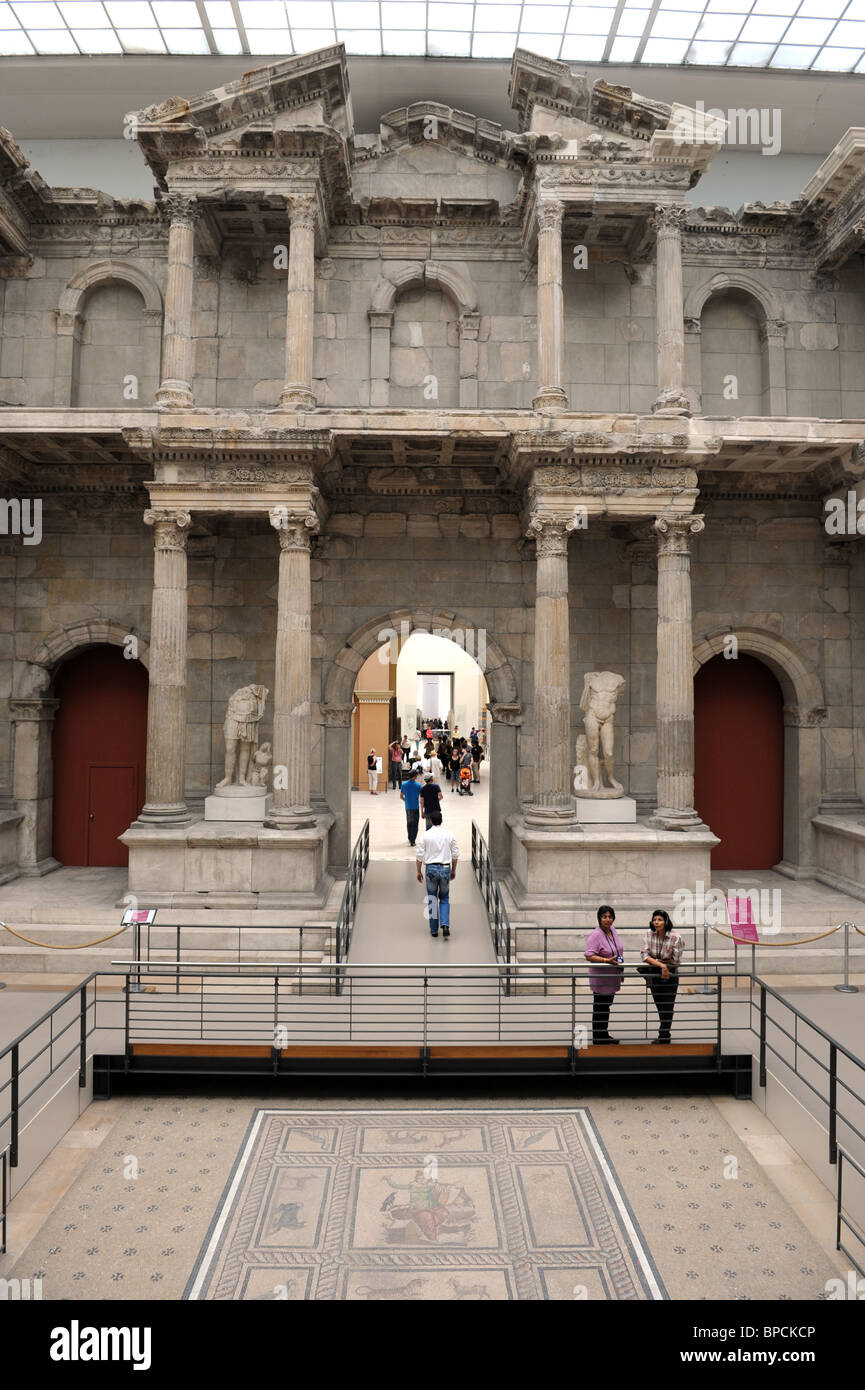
[(823, 35)]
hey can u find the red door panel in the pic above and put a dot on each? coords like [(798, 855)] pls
[(112, 806), (739, 761), (100, 733)]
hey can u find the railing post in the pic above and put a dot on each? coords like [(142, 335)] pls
[(833, 1103), (839, 1202), (126, 1022), (3, 1199), (718, 986), (763, 1036), (13, 1118), (82, 1056), (545, 962), (300, 965)]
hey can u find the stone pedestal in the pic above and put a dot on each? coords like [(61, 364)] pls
[(580, 868), (619, 810), (238, 804), (223, 865)]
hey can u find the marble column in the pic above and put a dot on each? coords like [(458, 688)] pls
[(166, 704), (32, 719), (551, 312), (175, 387), (552, 804), (675, 678), (297, 388), (504, 773), (668, 222), (292, 713)]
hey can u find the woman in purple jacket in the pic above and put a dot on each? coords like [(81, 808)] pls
[(604, 949)]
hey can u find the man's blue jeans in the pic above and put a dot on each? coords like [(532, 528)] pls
[(438, 887)]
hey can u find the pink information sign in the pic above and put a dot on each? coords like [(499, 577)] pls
[(742, 921)]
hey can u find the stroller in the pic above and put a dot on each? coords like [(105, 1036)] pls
[(465, 786)]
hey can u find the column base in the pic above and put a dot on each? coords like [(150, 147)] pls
[(670, 818), (552, 818), (672, 403), (174, 393), (293, 393), (290, 818), (550, 398), (174, 813)]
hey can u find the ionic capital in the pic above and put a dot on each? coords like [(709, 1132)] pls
[(169, 527), (295, 526), (550, 534), (674, 533)]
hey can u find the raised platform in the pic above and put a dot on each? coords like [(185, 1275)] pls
[(244, 864), (580, 867)]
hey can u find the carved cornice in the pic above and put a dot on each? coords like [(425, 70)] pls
[(675, 532), (335, 716), (506, 714), (169, 527)]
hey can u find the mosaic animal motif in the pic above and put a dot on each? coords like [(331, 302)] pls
[(535, 1138), (296, 1182), (418, 1136), (461, 1291), (286, 1217), (410, 1290), (278, 1293)]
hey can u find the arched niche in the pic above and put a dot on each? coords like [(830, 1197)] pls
[(424, 276), (113, 311), (737, 324)]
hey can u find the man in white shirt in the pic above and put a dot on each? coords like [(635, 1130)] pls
[(437, 853)]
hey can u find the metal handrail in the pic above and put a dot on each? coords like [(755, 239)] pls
[(498, 920), (354, 877)]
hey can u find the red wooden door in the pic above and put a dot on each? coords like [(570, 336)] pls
[(111, 808), (99, 747), (739, 761)]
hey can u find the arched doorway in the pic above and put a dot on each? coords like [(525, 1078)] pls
[(99, 751), (739, 761)]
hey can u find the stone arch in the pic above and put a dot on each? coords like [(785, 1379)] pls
[(32, 711), (365, 640), (772, 329), (40, 665), (427, 275), (70, 318), (804, 715), (336, 717)]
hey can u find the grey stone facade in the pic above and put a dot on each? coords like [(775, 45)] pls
[(423, 397)]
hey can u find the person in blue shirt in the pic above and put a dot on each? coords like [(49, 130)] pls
[(410, 795)]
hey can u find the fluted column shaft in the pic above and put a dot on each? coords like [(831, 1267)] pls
[(175, 387), (670, 310), (166, 703), (299, 320), (552, 803), (551, 312), (292, 714), (675, 678)]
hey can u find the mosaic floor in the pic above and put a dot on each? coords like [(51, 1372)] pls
[(232, 1198)]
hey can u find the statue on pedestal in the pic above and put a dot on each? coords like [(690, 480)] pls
[(245, 708), (601, 690)]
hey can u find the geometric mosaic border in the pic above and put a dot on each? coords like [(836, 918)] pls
[(445, 1205)]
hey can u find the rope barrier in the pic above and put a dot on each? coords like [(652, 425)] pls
[(802, 940), (49, 946)]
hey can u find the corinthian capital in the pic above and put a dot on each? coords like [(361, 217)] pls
[(669, 221), (295, 526), (169, 527), (674, 533), (182, 211), (550, 216), (302, 211)]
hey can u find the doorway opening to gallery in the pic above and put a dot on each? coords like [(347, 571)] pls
[(99, 750), (739, 761), (421, 693)]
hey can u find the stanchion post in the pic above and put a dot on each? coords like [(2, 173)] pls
[(705, 988), (847, 988)]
